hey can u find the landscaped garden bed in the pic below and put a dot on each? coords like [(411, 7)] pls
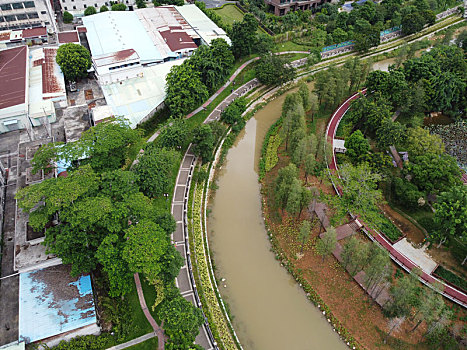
[(451, 278)]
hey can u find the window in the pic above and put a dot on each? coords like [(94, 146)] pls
[(95, 5), (66, 9), (29, 4), (74, 7), (21, 17), (43, 12), (17, 5), (85, 6), (33, 15), (5, 7), (10, 18), (2, 19)]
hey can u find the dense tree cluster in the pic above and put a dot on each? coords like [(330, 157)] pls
[(274, 70), (190, 83), (108, 224)]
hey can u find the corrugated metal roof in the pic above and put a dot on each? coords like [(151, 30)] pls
[(205, 28), (115, 57), (13, 64), (113, 31), (52, 302), (135, 98)]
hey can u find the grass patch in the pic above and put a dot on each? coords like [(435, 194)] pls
[(291, 46), (140, 320), (229, 14), (149, 344), (150, 295)]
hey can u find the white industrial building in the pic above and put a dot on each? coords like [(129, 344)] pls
[(133, 51), (26, 14), (30, 83)]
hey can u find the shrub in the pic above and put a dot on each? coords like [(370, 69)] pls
[(451, 277), (91, 10), (104, 8), (118, 7), (67, 17)]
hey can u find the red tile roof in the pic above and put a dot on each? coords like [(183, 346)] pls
[(50, 83), (178, 40), (68, 37), (13, 76), (34, 32), (82, 30)]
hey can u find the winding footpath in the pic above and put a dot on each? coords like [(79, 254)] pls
[(403, 261)]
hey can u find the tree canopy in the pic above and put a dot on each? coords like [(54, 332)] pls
[(74, 61)]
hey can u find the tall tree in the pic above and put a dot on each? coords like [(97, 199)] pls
[(185, 90), (327, 243), (274, 70), (357, 147), (181, 322), (421, 142), (155, 170), (110, 256), (243, 36), (74, 61), (360, 193), (451, 214), (283, 182), (146, 243), (433, 173)]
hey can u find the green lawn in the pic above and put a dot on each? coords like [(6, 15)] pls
[(140, 319), (149, 344), (229, 14)]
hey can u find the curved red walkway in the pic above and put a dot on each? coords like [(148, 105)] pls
[(157, 329), (449, 291)]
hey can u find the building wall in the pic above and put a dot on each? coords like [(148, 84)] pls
[(282, 7), (21, 14), (77, 7)]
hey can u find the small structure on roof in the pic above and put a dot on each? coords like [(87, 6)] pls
[(68, 37), (55, 306)]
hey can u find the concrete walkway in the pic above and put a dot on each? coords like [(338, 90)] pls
[(397, 255), (132, 342)]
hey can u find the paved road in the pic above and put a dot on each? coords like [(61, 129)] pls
[(402, 260)]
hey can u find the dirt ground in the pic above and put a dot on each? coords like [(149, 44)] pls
[(347, 300), (412, 232)]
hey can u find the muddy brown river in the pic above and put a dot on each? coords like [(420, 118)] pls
[(270, 310)]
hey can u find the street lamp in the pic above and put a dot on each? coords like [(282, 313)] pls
[(166, 195)]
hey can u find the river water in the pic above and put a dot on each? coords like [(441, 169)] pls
[(270, 310)]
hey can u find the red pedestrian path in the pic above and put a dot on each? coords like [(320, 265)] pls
[(449, 291)]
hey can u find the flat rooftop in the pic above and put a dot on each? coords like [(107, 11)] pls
[(68, 37), (13, 76), (135, 98), (201, 23), (52, 302), (114, 31)]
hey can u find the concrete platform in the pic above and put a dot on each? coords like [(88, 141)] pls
[(418, 256)]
